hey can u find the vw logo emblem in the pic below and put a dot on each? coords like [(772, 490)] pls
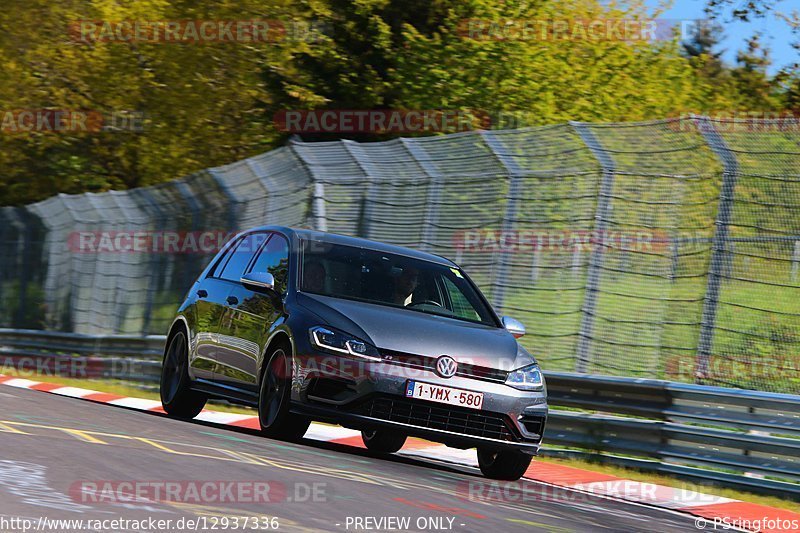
[(446, 366)]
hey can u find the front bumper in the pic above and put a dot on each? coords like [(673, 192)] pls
[(364, 395)]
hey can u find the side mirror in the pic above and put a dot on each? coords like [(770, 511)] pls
[(514, 326), (259, 281)]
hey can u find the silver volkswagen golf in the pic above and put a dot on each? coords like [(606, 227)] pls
[(390, 341)]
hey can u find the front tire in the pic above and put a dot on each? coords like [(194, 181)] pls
[(509, 465), (383, 440), (177, 397), (274, 396)]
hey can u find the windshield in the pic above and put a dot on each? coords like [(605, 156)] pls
[(392, 280)]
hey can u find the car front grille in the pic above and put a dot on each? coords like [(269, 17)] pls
[(424, 362), (420, 413)]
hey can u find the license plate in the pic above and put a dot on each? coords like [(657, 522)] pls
[(448, 395)]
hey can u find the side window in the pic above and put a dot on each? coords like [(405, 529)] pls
[(274, 258), (241, 256), (461, 306), (217, 272)]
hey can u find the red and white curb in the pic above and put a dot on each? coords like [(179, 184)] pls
[(716, 510)]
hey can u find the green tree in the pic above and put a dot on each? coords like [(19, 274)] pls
[(385, 54), (202, 103), (206, 105), (755, 89)]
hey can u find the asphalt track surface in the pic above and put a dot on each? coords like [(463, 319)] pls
[(54, 447)]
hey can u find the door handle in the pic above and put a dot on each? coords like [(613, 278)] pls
[(202, 293), (232, 300)]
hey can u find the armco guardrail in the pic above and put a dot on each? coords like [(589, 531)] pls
[(124, 357), (745, 439), (105, 345)]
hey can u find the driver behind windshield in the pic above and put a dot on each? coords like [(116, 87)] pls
[(404, 286)]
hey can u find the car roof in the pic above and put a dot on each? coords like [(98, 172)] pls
[(333, 238)]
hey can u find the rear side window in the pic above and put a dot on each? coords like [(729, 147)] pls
[(274, 259), (241, 255), (223, 260)]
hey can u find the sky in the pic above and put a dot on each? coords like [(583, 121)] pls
[(776, 33)]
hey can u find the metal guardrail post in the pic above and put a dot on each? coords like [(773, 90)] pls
[(6, 257), (152, 267), (101, 321), (515, 174), (601, 216), (365, 222), (318, 214), (434, 197), (27, 266), (194, 207), (720, 258), (320, 218), (21, 242), (266, 182), (230, 213)]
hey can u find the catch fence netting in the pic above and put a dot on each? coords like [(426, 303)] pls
[(664, 249)]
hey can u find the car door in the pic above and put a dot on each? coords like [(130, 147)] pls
[(250, 320), (228, 346), (210, 294)]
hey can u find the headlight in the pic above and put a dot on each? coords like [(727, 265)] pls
[(337, 341), (526, 378)]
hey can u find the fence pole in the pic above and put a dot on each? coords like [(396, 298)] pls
[(196, 209), (8, 260), (265, 182), (26, 266), (320, 218), (601, 216), (434, 196), (370, 172), (230, 211), (515, 174), (318, 213), (153, 267), (719, 242)]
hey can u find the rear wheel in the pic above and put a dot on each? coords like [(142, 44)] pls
[(273, 399), (177, 397), (383, 440), (508, 465)]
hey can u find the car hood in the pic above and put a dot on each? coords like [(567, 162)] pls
[(413, 332)]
